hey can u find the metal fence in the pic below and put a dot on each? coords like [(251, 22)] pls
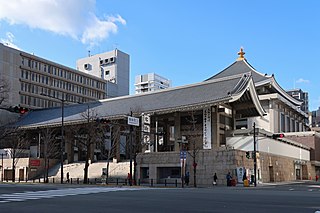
[(100, 181)]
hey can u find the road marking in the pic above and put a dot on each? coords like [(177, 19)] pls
[(35, 195)]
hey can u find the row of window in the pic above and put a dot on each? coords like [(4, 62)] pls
[(288, 124), (43, 103), (56, 83), (35, 89), (70, 76)]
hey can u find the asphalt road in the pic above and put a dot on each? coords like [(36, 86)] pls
[(291, 198)]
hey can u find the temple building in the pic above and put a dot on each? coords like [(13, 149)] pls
[(203, 128)]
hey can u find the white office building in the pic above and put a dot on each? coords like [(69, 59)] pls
[(113, 67), (150, 82)]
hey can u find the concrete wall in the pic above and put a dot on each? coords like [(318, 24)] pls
[(269, 145)]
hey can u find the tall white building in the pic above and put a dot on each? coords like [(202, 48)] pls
[(113, 67), (150, 82)]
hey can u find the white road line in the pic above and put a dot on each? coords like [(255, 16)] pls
[(35, 195)]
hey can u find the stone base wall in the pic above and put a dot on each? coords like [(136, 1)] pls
[(221, 161)]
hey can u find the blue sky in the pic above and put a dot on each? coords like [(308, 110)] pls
[(185, 41)]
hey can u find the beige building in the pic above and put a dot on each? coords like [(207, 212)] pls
[(30, 77)]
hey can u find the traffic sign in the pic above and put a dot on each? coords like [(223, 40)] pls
[(133, 121), (183, 154)]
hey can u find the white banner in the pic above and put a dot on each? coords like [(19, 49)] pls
[(207, 128)]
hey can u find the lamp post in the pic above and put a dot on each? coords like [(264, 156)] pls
[(62, 139), (62, 132), (254, 154)]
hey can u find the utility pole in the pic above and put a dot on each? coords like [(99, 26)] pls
[(62, 139), (130, 153), (254, 154)]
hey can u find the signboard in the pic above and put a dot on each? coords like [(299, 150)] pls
[(133, 121), (146, 128), (207, 128), (146, 119), (146, 138), (34, 162), (183, 154), (240, 173)]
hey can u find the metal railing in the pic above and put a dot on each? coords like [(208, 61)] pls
[(103, 181)]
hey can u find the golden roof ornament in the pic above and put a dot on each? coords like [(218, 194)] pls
[(241, 55)]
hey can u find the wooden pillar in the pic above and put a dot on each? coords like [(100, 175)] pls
[(177, 130)]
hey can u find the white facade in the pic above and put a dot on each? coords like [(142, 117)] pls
[(150, 82), (113, 67)]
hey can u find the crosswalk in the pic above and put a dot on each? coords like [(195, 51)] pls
[(35, 195)]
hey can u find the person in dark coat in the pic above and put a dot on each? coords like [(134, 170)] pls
[(215, 178)]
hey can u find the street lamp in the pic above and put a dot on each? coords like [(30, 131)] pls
[(183, 157), (62, 132)]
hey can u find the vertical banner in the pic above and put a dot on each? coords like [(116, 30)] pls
[(146, 122), (207, 128)]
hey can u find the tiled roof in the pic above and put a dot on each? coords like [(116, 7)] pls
[(240, 67), (163, 101)]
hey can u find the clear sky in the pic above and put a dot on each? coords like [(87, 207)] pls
[(183, 40)]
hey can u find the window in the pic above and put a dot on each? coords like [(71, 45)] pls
[(282, 123), (108, 72)]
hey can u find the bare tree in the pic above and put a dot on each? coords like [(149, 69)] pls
[(88, 135), (51, 148), (110, 143), (18, 143), (194, 134), (4, 90)]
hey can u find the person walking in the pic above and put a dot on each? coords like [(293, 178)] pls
[(228, 177), (187, 178), (68, 177), (215, 178)]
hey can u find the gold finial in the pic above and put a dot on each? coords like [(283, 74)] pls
[(241, 55)]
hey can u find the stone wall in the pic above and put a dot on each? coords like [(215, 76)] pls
[(272, 168)]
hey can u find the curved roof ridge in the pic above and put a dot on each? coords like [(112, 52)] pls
[(241, 83), (256, 71), (284, 93)]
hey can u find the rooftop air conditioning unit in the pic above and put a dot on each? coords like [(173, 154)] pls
[(86, 66)]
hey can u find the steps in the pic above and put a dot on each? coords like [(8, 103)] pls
[(76, 170)]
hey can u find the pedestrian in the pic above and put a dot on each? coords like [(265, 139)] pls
[(228, 177), (129, 179), (317, 177), (215, 178), (244, 176), (68, 177), (252, 179), (187, 178)]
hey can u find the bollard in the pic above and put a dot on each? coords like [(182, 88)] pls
[(139, 182), (39, 180), (77, 180), (71, 180), (151, 182), (117, 181), (176, 182), (33, 180), (165, 182), (53, 180), (95, 181)]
